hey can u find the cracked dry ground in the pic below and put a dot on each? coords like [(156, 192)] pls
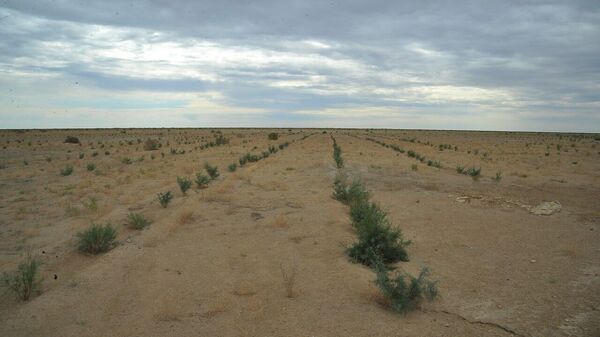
[(211, 263)]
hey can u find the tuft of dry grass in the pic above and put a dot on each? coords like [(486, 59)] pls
[(280, 222), (185, 218), (288, 273)]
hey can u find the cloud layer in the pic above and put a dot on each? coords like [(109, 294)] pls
[(510, 65)]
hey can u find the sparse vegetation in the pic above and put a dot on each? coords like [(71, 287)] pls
[(232, 167), (137, 221), (67, 171), (273, 136), (97, 239), (90, 167), (25, 281)]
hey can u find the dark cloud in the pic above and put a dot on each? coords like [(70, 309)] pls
[(535, 56)]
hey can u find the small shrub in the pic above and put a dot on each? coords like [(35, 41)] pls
[(24, 281), (81, 155), (164, 198), (498, 177), (232, 167), (72, 140), (405, 292), (97, 239), (414, 167), (473, 172), (184, 184), (90, 167), (67, 171), (137, 221), (273, 136), (202, 180), (460, 169), (213, 171), (126, 161)]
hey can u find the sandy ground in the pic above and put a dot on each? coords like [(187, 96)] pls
[(210, 264)]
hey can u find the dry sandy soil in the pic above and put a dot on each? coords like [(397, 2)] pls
[(210, 264)]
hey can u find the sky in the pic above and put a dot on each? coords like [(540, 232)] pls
[(466, 65)]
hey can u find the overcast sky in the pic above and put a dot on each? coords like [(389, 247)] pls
[(491, 65)]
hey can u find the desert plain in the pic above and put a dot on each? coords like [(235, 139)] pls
[(261, 250)]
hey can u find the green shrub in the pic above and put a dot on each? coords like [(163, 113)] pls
[(473, 172), (24, 281), (164, 198), (340, 188), (232, 167), (184, 184), (405, 292), (357, 193), (498, 176), (337, 155), (243, 160), (414, 167), (213, 171), (434, 163), (273, 136), (81, 155), (460, 169), (349, 194), (126, 161), (67, 171), (97, 239), (202, 180), (375, 236), (137, 221), (91, 167)]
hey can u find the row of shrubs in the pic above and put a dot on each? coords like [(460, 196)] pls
[(100, 238), (473, 172), (337, 154), (409, 153), (25, 280), (251, 158), (380, 244)]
